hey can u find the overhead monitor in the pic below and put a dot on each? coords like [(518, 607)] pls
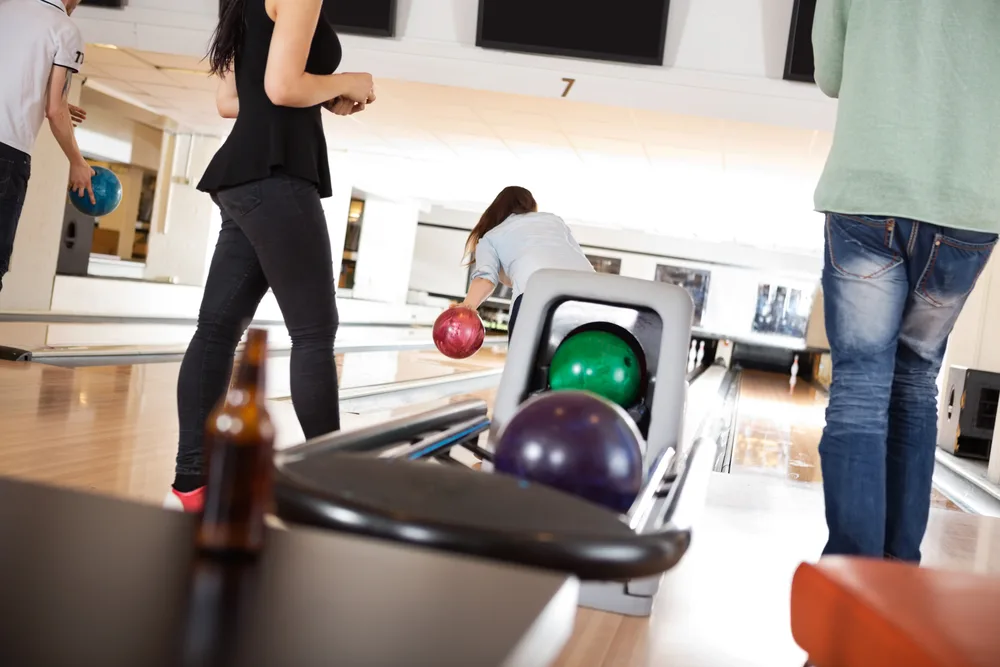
[(799, 64), (374, 18), (630, 31)]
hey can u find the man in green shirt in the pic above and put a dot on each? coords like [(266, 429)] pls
[(911, 191)]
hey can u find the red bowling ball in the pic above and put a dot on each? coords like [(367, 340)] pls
[(459, 333)]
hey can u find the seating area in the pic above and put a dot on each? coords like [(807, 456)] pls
[(872, 613)]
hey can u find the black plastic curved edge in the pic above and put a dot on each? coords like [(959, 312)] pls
[(299, 502), (14, 354), (387, 433)]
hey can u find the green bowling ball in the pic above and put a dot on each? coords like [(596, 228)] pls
[(599, 362)]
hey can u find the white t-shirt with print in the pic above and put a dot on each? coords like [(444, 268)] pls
[(35, 35)]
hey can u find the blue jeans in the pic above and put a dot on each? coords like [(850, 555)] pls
[(893, 289)]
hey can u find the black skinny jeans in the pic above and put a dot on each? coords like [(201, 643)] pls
[(15, 170), (514, 309), (274, 234)]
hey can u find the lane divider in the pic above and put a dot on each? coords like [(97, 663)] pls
[(117, 356)]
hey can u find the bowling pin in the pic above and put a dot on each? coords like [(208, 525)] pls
[(724, 353), (795, 366), (693, 353), (701, 353)]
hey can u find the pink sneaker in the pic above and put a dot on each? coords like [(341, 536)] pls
[(191, 502)]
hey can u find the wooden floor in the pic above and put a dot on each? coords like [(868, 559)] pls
[(778, 433), (113, 430), (778, 429), (727, 602)]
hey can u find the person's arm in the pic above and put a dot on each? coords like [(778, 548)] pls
[(479, 290), (286, 81), (227, 101), (61, 124), (485, 276), (828, 36)]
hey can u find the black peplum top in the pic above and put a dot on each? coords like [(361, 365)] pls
[(267, 138)]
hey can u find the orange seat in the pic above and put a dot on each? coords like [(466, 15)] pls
[(849, 612)]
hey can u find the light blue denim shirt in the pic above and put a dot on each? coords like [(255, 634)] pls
[(523, 244)]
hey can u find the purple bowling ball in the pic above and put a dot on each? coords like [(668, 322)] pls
[(577, 442)]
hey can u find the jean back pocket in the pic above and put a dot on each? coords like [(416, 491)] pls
[(241, 200), (953, 267), (861, 246)]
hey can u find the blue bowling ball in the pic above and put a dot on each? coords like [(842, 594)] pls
[(107, 194)]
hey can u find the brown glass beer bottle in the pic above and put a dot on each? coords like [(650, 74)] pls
[(239, 442)]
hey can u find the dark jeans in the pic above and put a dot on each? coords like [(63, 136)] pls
[(273, 235), (893, 289), (15, 169), (516, 306)]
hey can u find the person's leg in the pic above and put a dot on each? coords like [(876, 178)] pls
[(514, 308), (15, 169), (288, 230), (945, 265), (234, 288), (864, 290)]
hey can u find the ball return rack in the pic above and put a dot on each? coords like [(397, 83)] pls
[(400, 481), (381, 482)]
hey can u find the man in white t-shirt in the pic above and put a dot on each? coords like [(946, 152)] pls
[(40, 50)]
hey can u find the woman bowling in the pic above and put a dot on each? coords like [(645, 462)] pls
[(513, 240), (276, 61)]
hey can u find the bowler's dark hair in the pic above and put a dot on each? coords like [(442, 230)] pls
[(512, 200), (227, 38)]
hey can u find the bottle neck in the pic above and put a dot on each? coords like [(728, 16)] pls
[(250, 375), (250, 380)]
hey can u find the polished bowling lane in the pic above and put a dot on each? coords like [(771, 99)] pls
[(113, 429), (778, 428)]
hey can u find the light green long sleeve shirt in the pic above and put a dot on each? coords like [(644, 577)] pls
[(918, 121)]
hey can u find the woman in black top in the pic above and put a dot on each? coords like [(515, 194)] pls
[(276, 60)]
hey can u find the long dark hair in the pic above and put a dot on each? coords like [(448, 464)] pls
[(227, 38), (512, 200)]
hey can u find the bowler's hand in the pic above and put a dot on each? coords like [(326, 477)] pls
[(77, 114), (341, 106), (79, 181)]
